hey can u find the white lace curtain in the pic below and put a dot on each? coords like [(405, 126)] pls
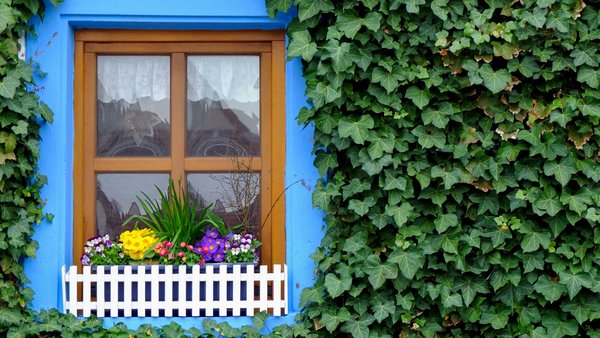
[(219, 77)]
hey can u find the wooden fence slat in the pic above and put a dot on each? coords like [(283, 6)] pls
[(237, 286), (108, 291)]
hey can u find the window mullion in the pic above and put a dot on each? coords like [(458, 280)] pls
[(178, 99)]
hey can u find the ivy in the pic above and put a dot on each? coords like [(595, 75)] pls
[(459, 146), (21, 115)]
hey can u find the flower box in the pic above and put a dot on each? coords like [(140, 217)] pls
[(175, 291)]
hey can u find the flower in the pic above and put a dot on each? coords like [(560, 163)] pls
[(101, 250), (213, 233), (137, 242)]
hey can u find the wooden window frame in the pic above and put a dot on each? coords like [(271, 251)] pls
[(270, 45)]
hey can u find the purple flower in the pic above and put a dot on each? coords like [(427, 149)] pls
[(209, 245), (212, 233), (218, 257), (85, 260)]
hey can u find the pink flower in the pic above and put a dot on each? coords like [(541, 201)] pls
[(164, 252), (190, 247), (169, 245), (165, 242), (182, 245), (180, 254), (157, 247)]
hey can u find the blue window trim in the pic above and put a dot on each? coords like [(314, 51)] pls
[(53, 50)]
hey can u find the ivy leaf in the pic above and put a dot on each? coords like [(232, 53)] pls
[(497, 318), (20, 128), (336, 286), (579, 310), (6, 16), (339, 53), (394, 182), (412, 6), (22, 71), (10, 317), (379, 146), (578, 202), (469, 289), (532, 241), (589, 75), (548, 203), (559, 328), (301, 45), (8, 87), (332, 320), (409, 262), (574, 282), (46, 112), (561, 171), (450, 178), (309, 8), (355, 243), (551, 290), (533, 261), (387, 79), (272, 6), (443, 222), (537, 18), (419, 97), (399, 213), (452, 301), (358, 328), (494, 81), (378, 273), (383, 309), (362, 207), (437, 117), (349, 24), (427, 140), (358, 130), (581, 57)]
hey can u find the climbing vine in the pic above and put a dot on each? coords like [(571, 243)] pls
[(21, 115), (458, 143)]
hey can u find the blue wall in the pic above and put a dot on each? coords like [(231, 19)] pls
[(53, 49)]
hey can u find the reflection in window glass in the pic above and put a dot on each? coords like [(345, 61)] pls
[(116, 198), (133, 99), (223, 105), (235, 196)]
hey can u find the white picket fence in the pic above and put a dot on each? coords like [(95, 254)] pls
[(175, 291)]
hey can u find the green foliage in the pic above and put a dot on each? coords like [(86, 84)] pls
[(459, 142), (21, 114), (174, 216)]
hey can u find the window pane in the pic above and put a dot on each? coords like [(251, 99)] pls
[(235, 196), (223, 105), (133, 106), (116, 198)]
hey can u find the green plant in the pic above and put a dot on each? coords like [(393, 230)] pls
[(101, 250), (459, 142), (172, 217)]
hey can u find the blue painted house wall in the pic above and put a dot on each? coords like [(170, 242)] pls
[(53, 49)]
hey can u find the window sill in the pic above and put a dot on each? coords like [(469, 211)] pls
[(175, 291)]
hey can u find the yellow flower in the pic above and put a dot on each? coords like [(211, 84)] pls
[(137, 242)]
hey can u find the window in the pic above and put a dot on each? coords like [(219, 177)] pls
[(203, 107)]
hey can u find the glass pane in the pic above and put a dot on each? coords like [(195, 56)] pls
[(116, 198), (223, 105), (235, 196), (133, 103)]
